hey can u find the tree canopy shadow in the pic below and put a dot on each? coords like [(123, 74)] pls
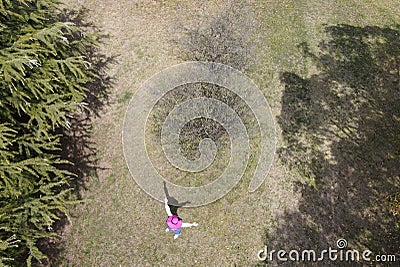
[(77, 145), (341, 130)]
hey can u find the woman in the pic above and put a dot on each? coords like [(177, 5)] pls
[(175, 223)]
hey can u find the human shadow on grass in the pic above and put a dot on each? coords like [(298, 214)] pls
[(77, 145), (173, 203), (341, 130)]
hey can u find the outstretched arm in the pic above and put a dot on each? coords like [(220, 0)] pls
[(189, 224), (167, 207)]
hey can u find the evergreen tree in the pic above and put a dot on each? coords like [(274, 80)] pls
[(43, 73)]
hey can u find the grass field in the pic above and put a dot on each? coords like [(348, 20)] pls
[(120, 225)]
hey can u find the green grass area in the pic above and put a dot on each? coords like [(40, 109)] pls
[(120, 225)]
